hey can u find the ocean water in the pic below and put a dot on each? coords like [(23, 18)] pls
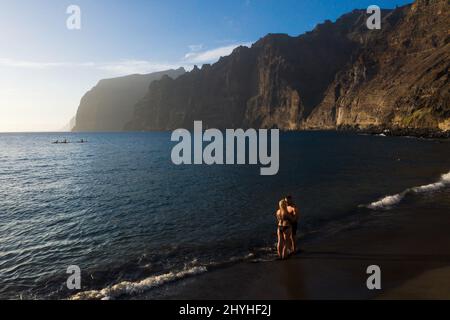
[(132, 221)]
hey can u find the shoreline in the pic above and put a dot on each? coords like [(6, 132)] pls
[(410, 249), (429, 134), (424, 133)]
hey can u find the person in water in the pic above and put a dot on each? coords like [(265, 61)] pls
[(284, 228), (295, 217)]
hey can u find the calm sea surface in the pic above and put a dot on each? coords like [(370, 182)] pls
[(119, 209)]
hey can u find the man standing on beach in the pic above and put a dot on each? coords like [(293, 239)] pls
[(296, 215)]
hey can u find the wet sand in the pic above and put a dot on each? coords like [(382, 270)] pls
[(412, 250)]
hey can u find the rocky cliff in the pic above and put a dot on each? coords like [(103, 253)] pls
[(398, 78), (110, 104), (340, 75)]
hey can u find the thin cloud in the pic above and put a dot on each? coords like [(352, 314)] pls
[(12, 63), (29, 64), (212, 55), (125, 67), (132, 66), (195, 47), (122, 67)]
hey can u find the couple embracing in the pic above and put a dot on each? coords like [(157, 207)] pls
[(287, 221)]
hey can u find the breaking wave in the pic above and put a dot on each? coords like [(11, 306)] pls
[(391, 200), (387, 201), (132, 288)]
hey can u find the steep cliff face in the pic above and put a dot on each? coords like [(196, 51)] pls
[(110, 104), (275, 83), (398, 78), (292, 74), (216, 94), (339, 75)]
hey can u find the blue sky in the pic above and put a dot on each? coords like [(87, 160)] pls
[(46, 68)]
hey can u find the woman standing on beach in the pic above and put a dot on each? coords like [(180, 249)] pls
[(284, 228)]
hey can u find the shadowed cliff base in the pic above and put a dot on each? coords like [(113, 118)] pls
[(425, 133)]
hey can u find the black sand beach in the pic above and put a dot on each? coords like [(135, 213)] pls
[(411, 249)]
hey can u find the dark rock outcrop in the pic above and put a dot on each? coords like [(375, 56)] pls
[(110, 104), (340, 75)]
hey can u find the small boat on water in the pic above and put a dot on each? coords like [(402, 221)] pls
[(65, 141), (62, 141)]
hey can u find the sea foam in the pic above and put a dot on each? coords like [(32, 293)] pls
[(133, 288), (389, 201)]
